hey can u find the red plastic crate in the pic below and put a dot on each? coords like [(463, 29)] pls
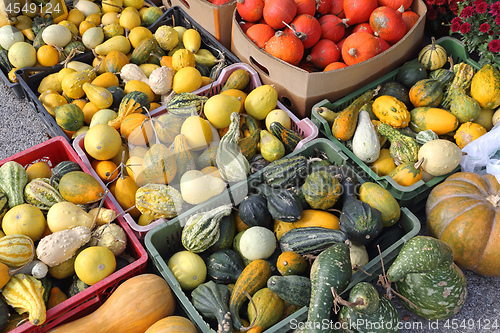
[(54, 151)]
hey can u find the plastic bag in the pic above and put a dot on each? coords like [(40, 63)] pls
[(483, 154)]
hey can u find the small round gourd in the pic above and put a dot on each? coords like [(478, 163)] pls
[(22, 54), (433, 56), (9, 35), (188, 268), (440, 157), (57, 35), (257, 243)]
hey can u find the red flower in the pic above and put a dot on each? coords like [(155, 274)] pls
[(485, 27), (440, 2), (495, 8), (465, 28), (456, 20), (494, 45), (481, 7), (441, 10), (430, 2), (431, 14), (497, 20), (467, 12), (455, 27), (478, 2)]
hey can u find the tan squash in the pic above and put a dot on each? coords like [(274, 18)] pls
[(133, 307)]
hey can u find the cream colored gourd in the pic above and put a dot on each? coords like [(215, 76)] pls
[(9, 35), (365, 142), (440, 157), (93, 37), (66, 215), (77, 66), (194, 180), (86, 7), (115, 43), (359, 256), (131, 72), (59, 246), (56, 35), (160, 80)]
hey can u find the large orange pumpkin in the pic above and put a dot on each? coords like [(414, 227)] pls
[(464, 211)]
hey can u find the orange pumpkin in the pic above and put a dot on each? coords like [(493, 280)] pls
[(172, 324), (464, 211)]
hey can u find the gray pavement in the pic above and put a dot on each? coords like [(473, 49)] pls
[(20, 129)]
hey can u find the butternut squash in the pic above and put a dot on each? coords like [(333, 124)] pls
[(134, 306)]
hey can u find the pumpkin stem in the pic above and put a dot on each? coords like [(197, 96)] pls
[(345, 22), (300, 35), (244, 329), (401, 9), (279, 33), (494, 200), (339, 300)]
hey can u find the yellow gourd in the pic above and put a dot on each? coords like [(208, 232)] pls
[(468, 132), (130, 19), (100, 96), (183, 58), (191, 40), (72, 84), (25, 294)]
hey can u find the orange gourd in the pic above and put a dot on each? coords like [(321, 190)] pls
[(291, 263), (124, 189), (79, 187), (134, 306), (114, 61), (285, 46), (106, 170), (172, 324), (137, 129), (358, 47)]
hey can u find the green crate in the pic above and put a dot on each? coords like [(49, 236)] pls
[(165, 239), (409, 196)]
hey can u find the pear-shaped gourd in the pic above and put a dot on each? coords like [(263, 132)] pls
[(433, 286), (101, 97), (365, 307), (464, 107), (365, 142), (72, 84), (271, 148)]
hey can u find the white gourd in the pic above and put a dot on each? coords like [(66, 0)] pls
[(160, 80), (56, 35), (133, 72), (365, 142)]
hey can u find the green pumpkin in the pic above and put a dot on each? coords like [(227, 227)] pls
[(410, 73), (321, 190), (69, 116), (433, 286)]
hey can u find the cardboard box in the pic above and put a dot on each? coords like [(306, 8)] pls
[(215, 19), (299, 90)]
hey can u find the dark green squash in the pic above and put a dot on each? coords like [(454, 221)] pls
[(76, 286), (410, 73), (224, 266), (321, 190), (294, 289), (63, 168), (397, 90), (360, 221), (289, 138), (257, 163), (253, 211), (366, 308), (331, 269), (283, 204), (204, 70), (310, 240), (227, 231), (212, 300), (348, 180), (286, 172), (118, 95)]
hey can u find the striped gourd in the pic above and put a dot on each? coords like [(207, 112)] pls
[(16, 250), (202, 229), (41, 194), (63, 168), (13, 179), (4, 204), (286, 171), (310, 240), (143, 51), (432, 56), (184, 103), (158, 201)]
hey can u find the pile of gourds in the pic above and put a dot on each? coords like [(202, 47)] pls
[(43, 36), (174, 154), (424, 117), (263, 249), (55, 241)]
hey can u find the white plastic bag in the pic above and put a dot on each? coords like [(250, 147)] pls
[(483, 154)]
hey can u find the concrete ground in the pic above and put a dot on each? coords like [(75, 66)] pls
[(20, 128)]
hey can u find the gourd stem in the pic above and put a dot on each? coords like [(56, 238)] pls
[(244, 329), (339, 300), (419, 163)]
